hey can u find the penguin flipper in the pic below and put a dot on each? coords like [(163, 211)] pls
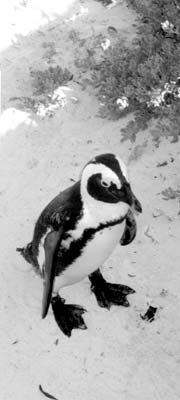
[(130, 229), (50, 245)]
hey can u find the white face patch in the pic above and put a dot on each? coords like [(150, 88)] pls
[(108, 175), (97, 212), (123, 168)]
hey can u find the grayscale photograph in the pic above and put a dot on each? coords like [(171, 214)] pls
[(90, 199)]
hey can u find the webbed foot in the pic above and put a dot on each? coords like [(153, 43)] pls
[(108, 294), (67, 316)]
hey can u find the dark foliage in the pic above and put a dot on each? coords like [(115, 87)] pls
[(146, 73), (50, 79)]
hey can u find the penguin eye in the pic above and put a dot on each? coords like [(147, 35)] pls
[(105, 184)]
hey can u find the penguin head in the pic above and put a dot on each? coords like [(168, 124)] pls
[(105, 182)]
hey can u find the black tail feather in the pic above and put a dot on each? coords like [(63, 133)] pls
[(26, 252)]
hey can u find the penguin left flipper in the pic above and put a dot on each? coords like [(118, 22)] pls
[(67, 316), (50, 245), (130, 229)]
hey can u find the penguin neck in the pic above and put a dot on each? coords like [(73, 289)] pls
[(95, 215)]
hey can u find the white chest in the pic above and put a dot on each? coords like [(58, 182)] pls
[(93, 255)]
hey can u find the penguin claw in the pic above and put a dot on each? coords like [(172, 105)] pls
[(108, 294), (68, 316)]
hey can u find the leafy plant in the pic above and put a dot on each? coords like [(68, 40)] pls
[(50, 79), (145, 74)]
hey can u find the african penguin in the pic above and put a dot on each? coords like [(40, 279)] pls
[(77, 231)]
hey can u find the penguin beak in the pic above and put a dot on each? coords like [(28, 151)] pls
[(127, 196)]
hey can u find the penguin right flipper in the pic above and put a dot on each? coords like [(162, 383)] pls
[(50, 245), (130, 230)]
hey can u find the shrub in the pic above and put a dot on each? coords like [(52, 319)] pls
[(48, 80), (146, 74)]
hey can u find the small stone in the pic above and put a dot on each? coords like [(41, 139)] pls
[(163, 164), (150, 314), (74, 99), (157, 213), (164, 293), (112, 30)]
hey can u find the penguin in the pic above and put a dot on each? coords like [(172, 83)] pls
[(75, 234)]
